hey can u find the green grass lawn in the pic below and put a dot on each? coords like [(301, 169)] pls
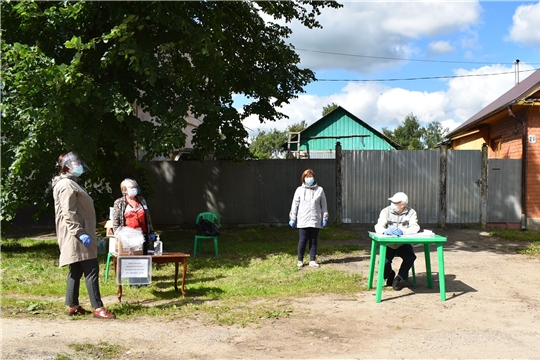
[(254, 277)]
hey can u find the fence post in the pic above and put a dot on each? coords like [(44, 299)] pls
[(338, 182), (442, 184), (484, 186)]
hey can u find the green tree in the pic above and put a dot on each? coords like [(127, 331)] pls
[(75, 75), (412, 136), (270, 145), (329, 108), (433, 134)]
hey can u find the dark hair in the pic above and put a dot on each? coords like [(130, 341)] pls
[(63, 168)]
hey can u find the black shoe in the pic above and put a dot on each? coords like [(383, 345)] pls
[(390, 279), (396, 284)]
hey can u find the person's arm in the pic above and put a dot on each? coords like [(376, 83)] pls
[(324, 206), (67, 197), (413, 227), (149, 225), (382, 222), (295, 205), (118, 216)]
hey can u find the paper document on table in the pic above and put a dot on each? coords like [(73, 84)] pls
[(425, 233), (382, 235)]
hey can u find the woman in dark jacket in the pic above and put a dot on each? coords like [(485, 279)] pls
[(131, 210)]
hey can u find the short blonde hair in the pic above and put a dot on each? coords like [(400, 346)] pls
[(306, 173), (124, 184)]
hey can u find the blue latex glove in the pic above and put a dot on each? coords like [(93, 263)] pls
[(324, 223), (398, 232), (152, 237), (389, 231), (292, 223), (86, 240)]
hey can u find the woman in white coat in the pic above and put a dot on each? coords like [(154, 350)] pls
[(309, 213)]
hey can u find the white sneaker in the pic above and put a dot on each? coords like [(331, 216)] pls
[(314, 264), (300, 264)]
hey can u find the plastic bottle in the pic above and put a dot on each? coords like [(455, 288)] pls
[(158, 247)]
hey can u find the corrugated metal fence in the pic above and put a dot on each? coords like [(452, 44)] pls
[(260, 192)]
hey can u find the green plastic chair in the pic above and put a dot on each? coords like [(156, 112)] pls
[(213, 218)]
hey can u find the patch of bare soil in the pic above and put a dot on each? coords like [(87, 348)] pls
[(492, 311)]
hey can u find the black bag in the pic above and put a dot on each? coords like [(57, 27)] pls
[(207, 228)]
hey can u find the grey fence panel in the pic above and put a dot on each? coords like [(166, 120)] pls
[(462, 186), (416, 173), (504, 190), (279, 179), (254, 192), (185, 188), (365, 179)]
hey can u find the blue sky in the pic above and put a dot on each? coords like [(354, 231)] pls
[(417, 39)]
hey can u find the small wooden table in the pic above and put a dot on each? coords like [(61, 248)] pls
[(382, 241), (166, 258)]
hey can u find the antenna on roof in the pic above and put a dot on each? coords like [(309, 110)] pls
[(516, 71)]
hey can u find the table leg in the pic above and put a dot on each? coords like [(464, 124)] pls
[(442, 281), (428, 266), (184, 263), (372, 264), (176, 276), (380, 275)]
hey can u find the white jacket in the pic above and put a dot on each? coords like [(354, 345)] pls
[(309, 206), (407, 221)]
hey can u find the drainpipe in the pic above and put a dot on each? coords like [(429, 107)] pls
[(524, 139)]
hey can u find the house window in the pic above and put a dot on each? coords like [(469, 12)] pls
[(496, 147)]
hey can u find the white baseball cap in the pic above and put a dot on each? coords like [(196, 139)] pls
[(399, 197)]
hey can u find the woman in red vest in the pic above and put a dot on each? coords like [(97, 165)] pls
[(131, 210)]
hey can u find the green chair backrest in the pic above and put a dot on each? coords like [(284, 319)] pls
[(210, 216)]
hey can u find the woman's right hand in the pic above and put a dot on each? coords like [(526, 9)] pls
[(292, 223)]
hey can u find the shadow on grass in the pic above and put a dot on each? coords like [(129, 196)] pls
[(33, 249)]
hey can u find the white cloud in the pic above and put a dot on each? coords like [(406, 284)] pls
[(440, 48), (382, 106), (381, 29), (525, 28)]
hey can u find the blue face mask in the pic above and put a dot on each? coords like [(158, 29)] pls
[(309, 181), (77, 170)]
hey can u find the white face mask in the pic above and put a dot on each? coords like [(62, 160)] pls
[(394, 207), (309, 180), (77, 170), (132, 192)]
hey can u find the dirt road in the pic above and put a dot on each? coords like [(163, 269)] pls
[(492, 311)]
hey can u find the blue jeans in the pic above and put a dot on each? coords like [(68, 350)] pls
[(307, 235)]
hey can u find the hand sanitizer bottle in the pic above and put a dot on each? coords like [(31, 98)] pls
[(158, 247)]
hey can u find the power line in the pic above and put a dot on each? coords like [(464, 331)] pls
[(424, 78), (405, 59)]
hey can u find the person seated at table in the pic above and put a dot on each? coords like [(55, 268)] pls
[(131, 210), (395, 220)]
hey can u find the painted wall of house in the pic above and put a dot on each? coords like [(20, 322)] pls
[(338, 123), (509, 132), (473, 141)]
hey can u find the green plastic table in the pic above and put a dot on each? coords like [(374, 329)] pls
[(381, 241)]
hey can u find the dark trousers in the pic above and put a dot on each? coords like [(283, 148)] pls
[(90, 269), (307, 235), (405, 252)]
